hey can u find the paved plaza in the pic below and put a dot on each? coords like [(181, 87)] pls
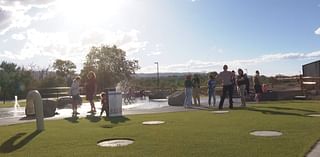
[(11, 115)]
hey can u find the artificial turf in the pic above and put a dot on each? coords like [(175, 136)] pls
[(10, 103), (194, 133)]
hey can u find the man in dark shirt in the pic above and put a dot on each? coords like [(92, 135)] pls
[(227, 78)]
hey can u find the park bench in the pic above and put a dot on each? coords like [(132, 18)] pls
[(52, 98), (58, 95)]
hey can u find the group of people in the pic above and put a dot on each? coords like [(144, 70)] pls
[(90, 88), (229, 81)]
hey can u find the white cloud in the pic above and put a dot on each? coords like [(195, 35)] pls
[(63, 45), (156, 53), (5, 19), (49, 45), (18, 36), (194, 0), (13, 13), (198, 65), (128, 41), (317, 31), (25, 2), (157, 50), (8, 54)]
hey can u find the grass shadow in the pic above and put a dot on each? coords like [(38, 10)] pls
[(286, 108), (116, 120), (28, 118), (73, 119), (266, 111), (107, 126), (93, 118), (9, 146), (205, 108)]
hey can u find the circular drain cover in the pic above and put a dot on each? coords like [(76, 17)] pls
[(314, 115), (152, 122), (266, 133), (118, 142), (220, 112)]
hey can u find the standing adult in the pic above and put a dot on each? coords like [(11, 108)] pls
[(257, 86), (196, 89), (188, 92), (91, 88), (227, 86), (75, 93), (241, 85), (212, 90)]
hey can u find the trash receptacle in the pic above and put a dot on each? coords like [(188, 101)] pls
[(115, 102)]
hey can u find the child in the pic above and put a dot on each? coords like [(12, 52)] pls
[(104, 103), (211, 90), (75, 93)]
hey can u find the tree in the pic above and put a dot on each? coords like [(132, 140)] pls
[(110, 65), (14, 80), (52, 81), (64, 68)]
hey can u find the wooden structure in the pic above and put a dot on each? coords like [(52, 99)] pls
[(311, 76)]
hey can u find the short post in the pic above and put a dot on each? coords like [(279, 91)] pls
[(35, 97)]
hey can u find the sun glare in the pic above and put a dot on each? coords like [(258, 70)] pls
[(89, 11)]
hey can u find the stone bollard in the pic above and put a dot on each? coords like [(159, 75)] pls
[(35, 98)]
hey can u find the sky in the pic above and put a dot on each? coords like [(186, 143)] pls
[(272, 36)]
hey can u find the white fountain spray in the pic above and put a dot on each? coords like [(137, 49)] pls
[(16, 104), (16, 107)]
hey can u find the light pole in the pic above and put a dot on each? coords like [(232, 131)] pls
[(158, 83)]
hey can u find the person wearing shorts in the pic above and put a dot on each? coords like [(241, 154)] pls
[(257, 86)]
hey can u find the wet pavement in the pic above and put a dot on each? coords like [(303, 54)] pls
[(13, 115)]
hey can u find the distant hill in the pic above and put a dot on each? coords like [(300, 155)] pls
[(148, 75)]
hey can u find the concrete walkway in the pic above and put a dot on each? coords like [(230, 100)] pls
[(9, 116), (315, 152), (83, 110)]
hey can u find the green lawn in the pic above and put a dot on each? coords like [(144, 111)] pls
[(196, 133), (11, 103)]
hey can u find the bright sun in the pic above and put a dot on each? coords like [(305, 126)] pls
[(89, 11)]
